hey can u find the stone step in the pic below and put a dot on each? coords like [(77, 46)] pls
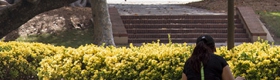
[(181, 29), (209, 30), (181, 40), (175, 17), (183, 35), (180, 26), (162, 21)]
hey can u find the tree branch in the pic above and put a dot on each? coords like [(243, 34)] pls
[(12, 17)]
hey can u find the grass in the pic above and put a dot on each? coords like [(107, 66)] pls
[(271, 19), (68, 38)]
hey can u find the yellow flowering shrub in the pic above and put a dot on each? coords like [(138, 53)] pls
[(152, 61), (20, 60), (256, 61)]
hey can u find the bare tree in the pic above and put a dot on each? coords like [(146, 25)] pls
[(102, 23), (13, 16)]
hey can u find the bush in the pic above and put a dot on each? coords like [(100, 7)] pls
[(255, 61), (20, 60), (150, 61)]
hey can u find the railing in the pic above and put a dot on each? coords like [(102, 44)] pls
[(251, 23)]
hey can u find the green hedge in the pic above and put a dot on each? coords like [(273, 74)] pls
[(19, 60), (152, 61)]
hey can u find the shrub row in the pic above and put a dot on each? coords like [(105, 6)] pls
[(20, 60)]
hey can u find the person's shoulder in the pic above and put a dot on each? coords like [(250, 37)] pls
[(221, 60), (218, 57), (215, 55)]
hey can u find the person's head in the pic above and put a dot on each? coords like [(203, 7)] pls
[(207, 42), (205, 46)]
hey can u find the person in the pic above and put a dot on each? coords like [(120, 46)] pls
[(203, 64)]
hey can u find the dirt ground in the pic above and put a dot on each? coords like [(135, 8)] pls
[(54, 21)]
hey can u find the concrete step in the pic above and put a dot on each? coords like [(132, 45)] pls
[(209, 30), (183, 35), (180, 26), (180, 40), (162, 21), (175, 17), (152, 28)]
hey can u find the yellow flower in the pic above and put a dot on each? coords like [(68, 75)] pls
[(264, 78), (266, 61), (277, 78)]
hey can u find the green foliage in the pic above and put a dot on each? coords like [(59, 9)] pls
[(68, 38), (21, 60), (151, 61), (272, 22)]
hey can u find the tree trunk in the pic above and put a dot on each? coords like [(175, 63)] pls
[(101, 22), (12, 17)]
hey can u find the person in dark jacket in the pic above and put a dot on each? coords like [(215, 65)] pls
[(204, 64)]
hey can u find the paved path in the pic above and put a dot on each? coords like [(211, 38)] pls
[(163, 9), (157, 7), (150, 1)]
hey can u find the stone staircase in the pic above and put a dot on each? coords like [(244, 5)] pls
[(138, 29), (182, 28)]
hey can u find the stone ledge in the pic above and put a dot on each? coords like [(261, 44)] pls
[(119, 31), (252, 23)]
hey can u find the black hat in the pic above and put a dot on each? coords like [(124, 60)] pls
[(206, 38)]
